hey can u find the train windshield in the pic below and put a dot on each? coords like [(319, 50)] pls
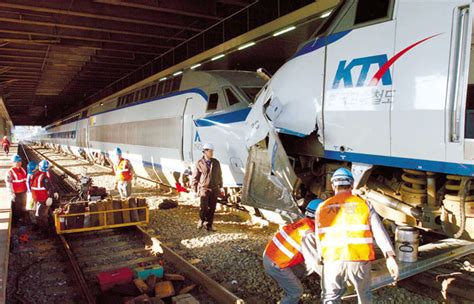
[(251, 92)]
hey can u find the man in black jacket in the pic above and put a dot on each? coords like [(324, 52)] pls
[(207, 183)]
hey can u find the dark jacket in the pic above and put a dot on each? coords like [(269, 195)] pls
[(206, 179)]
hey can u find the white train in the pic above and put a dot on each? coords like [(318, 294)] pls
[(161, 126), (386, 88)]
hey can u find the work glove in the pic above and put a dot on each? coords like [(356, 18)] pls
[(56, 196), (392, 267), (49, 202)]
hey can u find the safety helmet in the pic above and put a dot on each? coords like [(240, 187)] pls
[(207, 146), (32, 167), (312, 206), (16, 158), (118, 151), (342, 177), (44, 165)]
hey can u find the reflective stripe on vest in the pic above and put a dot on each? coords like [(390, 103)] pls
[(343, 230), (285, 247), (122, 173), (18, 179), (38, 191)]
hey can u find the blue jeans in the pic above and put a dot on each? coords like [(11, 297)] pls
[(287, 278)]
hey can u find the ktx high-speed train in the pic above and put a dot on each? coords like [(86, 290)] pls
[(385, 88), (161, 127)]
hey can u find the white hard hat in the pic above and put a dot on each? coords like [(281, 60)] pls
[(208, 147)]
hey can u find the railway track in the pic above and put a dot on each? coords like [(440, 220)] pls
[(92, 252)]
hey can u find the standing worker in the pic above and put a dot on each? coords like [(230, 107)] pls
[(345, 231), (207, 183), (284, 257), (15, 180), (43, 191), (31, 169), (123, 174), (6, 145)]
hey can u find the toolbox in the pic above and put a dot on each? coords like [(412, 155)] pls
[(144, 272), (109, 279)]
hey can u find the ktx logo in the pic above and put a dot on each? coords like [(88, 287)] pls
[(344, 71)]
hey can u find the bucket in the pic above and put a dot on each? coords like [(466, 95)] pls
[(406, 244)]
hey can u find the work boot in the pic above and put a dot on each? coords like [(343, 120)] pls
[(210, 229), (200, 224)]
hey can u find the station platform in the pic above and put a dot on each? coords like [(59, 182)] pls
[(5, 221)]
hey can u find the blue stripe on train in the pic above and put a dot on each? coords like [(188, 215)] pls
[(226, 118), (400, 162)]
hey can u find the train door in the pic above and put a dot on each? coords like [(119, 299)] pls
[(358, 85), (188, 132), (460, 105)]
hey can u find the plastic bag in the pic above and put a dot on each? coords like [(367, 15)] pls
[(30, 203)]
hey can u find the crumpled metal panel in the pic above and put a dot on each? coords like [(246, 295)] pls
[(270, 179)]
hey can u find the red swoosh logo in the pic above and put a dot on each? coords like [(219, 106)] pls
[(375, 80)]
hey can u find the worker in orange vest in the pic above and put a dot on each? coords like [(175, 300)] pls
[(6, 145), (345, 231), (43, 192), (123, 174), (15, 180), (284, 258)]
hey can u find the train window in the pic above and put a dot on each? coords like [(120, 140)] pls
[(159, 91), (168, 85), (251, 92), (153, 90), (231, 98), (369, 10), (84, 114), (363, 13), (148, 91), (469, 127), (213, 101), (142, 94), (176, 83)]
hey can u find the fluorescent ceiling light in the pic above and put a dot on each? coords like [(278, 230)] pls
[(246, 45), (286, 30), (195, 66), (163, 79), (326, 14), (217, 57), (178, 73)]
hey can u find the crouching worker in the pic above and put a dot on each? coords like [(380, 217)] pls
[(284, 257), (43, 191)]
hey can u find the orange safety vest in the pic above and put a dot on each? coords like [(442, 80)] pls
[(122, 170), (18, 179), (38, 191), (343, 229), (285, 247)]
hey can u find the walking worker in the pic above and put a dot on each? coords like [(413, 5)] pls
[(207, 184), (345, 231), (43, 192), (284, 259), (15, 180), (6, 145), (123, 174)]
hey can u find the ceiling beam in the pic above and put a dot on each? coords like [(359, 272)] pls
[(96, 11), (32, 30), (22, 20), (180, 7)]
